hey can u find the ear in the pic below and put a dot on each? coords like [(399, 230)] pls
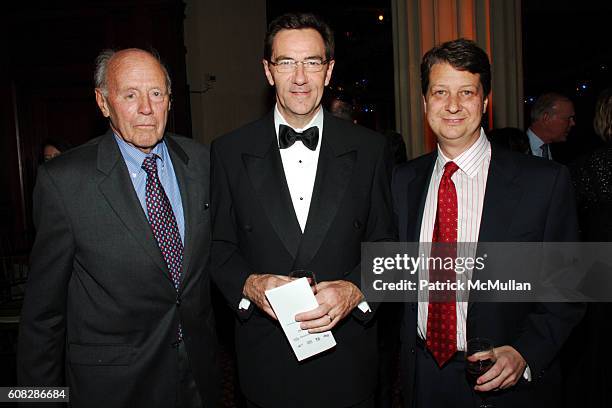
[(330, 69), (424, 104), (102, 103), (485, 103), (268, 72)]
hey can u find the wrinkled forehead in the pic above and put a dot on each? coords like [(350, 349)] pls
[(128, 68)]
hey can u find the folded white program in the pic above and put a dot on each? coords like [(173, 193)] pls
[(287, 301)]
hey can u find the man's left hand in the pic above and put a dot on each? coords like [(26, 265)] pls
[(336, 300), (505, 373)]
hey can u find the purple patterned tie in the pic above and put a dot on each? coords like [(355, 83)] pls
[(163, 223)]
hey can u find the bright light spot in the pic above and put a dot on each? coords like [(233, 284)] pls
[(381, 17)]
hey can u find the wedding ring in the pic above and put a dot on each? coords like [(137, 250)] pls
[(330, 318)]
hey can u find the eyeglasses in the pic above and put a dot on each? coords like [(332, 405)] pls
[(289, 65)]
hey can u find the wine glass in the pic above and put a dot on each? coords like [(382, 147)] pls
[(482, 359), (304, 273)]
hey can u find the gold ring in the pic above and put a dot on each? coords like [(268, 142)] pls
[(330, 318)]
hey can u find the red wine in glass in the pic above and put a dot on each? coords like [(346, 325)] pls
[(474, 368)]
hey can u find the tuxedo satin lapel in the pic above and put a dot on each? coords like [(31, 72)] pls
[(502, 196), (117, 188), (191, 197), (268, 179), (334, 171)]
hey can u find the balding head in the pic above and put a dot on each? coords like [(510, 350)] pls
[(132, 90)]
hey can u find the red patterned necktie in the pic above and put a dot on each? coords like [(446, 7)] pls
[(163, 223), (442, 309)]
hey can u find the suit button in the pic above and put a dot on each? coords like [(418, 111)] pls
[(356, 224), (412, 350), (206, 205), (248, 228)]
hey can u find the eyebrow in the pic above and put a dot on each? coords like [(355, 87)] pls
[(283, 57)]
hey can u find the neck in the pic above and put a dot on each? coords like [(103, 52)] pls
[(541, 132), (453, 148), (298, 121)]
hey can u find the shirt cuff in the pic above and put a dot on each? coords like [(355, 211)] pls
[(244, 304), (527, 374), (364, 307)]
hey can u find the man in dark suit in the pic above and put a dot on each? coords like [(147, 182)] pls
[(489, 195), (300, 189), (117, 304)]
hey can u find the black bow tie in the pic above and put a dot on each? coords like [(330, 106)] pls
[(287, 137)]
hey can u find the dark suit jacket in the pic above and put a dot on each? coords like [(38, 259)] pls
[(255, 230), (526, 200), (101, 312)]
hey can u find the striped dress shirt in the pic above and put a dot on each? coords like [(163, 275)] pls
[(470, 182)]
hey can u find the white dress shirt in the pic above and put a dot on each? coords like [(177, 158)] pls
[(300, 166)]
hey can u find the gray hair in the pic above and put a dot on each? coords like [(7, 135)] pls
[(104, 58), (546, 104)]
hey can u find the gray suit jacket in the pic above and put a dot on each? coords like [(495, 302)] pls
[(101, 313)]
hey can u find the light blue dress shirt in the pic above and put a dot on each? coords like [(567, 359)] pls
[(133, 159)]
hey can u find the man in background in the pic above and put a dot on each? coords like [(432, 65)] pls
[(552, 118)]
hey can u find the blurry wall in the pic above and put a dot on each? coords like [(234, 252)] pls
[(224, 41)]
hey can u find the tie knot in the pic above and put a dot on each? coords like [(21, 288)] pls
[(149, 164), (449, 169)]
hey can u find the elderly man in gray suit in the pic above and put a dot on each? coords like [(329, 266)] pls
[(117, 305)]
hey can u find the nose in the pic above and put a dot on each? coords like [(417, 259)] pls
[(299, 76), (453, 105), (144, 107)]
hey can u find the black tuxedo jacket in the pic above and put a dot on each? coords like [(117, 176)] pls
[(101, 312), (527, 199), (255, 230)]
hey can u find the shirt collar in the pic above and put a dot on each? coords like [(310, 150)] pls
[(534, 141), (317, 121), (469, 161), (134, 157)]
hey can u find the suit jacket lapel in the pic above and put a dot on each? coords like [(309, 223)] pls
[(265, 170), (416, 195), (334, 169), (119, 192), (502, 195), (192, 198)]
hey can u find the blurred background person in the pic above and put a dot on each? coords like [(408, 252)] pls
[(54, 147), (587, 369), (552, 118)]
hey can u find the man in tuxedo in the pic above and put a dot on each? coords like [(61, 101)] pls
[(552, 118), (488, 194), (117, 304), (300, 189)]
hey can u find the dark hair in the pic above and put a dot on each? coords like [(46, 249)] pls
[(461, 54), (298, 21)]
